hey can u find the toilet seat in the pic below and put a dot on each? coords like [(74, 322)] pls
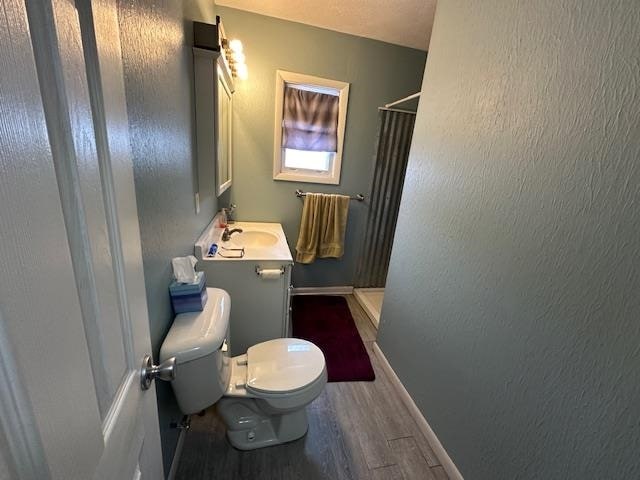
[(268, 370), (283, 366)]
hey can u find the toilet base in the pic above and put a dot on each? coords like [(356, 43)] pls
[(249, 427)]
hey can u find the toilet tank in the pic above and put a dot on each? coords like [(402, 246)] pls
[(199, 341)]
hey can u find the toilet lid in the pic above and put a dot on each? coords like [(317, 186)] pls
[(283, 365)]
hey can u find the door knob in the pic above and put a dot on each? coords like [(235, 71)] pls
[(166, 371)]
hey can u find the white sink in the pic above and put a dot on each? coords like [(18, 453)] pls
[(259, 241), (254, 238)]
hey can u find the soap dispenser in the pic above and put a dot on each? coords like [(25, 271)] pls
[(228, 214), (223, 219)]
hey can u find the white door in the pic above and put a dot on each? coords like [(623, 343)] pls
[(73, 316)]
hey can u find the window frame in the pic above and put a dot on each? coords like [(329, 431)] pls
[(280, 172)]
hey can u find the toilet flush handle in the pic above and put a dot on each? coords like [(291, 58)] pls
[(166, 371)]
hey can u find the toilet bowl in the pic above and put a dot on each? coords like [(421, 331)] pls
[(260, 395)]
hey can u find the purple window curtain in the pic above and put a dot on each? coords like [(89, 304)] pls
[(310, 120)]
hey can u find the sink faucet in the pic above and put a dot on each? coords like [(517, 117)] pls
[(226, 235)]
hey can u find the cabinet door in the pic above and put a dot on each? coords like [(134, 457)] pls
[(258, 310), (213, 85)]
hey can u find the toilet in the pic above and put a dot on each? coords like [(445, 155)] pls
[(260, 395)]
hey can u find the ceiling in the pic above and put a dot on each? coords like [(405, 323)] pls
[(403, 22)]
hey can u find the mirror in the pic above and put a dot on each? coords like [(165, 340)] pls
[(224, 151), (213, 85)]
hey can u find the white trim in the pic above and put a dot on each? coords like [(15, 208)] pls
[(210, 70), (316, 89), (279, 173), (225, 80), (177, 455), (423, 425), (341, 290)]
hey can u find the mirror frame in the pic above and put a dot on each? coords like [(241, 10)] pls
[(208, 67), (225, 79)]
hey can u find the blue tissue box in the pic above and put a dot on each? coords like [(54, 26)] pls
[(189, 297)]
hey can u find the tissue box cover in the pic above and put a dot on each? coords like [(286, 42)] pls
[(189, 297)]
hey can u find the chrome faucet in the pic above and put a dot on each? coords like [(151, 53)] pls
[(226, 235)]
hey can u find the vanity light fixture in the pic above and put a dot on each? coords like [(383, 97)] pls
[(233, 50), (212, 37), (235, 45), (242, 71), (238, 57)]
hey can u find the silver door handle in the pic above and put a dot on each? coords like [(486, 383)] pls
[(166, 371)]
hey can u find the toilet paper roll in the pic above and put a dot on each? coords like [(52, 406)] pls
[(269, 273)]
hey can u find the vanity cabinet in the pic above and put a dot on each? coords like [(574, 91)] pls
[(260, 304)]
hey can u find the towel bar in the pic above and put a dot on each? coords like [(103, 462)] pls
[(359, 197)]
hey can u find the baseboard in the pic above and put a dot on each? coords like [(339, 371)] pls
[(423, 425), (177, 454), (342, 290)]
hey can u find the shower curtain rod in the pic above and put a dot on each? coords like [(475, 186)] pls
[(402, 100), (396, 110)]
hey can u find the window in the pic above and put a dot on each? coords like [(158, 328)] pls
[(310, 119)]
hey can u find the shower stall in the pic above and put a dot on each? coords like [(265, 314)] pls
[(392, 153)]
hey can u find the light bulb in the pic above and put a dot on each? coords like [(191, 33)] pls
[(238, 57), (242, 71), (235, 45)]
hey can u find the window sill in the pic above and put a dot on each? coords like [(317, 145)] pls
[(306, 178)]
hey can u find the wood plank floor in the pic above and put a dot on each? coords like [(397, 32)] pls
[(357, 430)]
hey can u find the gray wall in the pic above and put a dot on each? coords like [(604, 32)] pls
[(156, 42), (156, 39), (512, 312), (378, 73)]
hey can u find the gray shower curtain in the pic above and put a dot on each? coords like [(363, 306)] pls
[(392, 153)]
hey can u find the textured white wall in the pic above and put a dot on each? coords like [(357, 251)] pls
[(512, 311)]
